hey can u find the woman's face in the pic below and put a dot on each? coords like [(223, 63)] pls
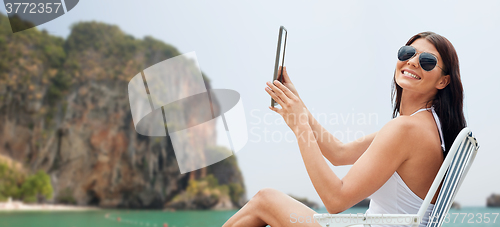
[(427, 82)]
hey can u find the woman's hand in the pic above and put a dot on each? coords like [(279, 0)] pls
[(293, 110), (287, 82)]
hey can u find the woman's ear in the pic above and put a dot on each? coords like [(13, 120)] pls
[(443, 82)]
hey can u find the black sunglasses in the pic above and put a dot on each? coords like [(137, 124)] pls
[(426, 60)]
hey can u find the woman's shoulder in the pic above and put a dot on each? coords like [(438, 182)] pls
[(412, 128), (403, 124), (399, 137)]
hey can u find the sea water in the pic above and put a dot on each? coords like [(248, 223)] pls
[(467, 216)]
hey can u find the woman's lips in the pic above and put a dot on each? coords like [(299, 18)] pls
[(408, 74)]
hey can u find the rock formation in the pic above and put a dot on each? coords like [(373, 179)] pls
[(493, 200), (64, 109)]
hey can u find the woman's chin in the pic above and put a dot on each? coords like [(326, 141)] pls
[(405, 83), (405, 86)]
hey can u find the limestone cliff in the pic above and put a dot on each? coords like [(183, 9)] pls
[(64, 109)]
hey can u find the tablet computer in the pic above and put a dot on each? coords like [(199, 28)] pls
[(280, 59)]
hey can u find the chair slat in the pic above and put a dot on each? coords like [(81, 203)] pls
[(455, 175), (447, 189)]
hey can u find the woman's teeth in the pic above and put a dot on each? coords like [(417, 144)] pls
[(411, 74)]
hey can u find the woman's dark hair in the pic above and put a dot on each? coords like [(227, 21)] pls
[(448, 102)]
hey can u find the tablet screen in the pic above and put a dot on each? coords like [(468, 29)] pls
[(280, 58)]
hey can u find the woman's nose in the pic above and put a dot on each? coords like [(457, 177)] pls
[(413, 61)]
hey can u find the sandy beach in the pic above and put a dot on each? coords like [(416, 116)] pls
[(20, 206)]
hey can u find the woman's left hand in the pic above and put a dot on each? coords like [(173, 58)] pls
[(293, 110)]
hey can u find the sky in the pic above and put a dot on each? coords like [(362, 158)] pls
[(340, 55)]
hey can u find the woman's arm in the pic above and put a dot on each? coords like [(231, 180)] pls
[(389, 149), (375, 166), (333, 149)]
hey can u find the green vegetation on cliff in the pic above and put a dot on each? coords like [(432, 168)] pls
[(203, 193), (17, 185), (226, 172), (223, 181)]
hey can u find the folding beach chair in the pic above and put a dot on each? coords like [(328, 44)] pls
[(454, 168)]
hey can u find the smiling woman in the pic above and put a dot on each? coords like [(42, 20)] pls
[(394, 166), (447, 101)]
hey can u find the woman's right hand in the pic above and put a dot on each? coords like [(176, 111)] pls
[(288, 83)]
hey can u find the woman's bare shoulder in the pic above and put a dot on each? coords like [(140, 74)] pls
[(409, 130), (412, 130), (402, 124)]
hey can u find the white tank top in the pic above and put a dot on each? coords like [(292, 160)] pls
[(395, 197)]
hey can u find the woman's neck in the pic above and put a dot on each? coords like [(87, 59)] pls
[(411, 102)]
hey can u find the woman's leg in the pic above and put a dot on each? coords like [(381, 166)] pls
[(274, 208)]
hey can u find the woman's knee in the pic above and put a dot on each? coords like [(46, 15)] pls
[(267, 194)]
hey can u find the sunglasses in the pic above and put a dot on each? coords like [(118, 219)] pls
[(426, 60)]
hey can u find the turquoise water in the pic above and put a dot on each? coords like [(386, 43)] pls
[(124, 218)]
